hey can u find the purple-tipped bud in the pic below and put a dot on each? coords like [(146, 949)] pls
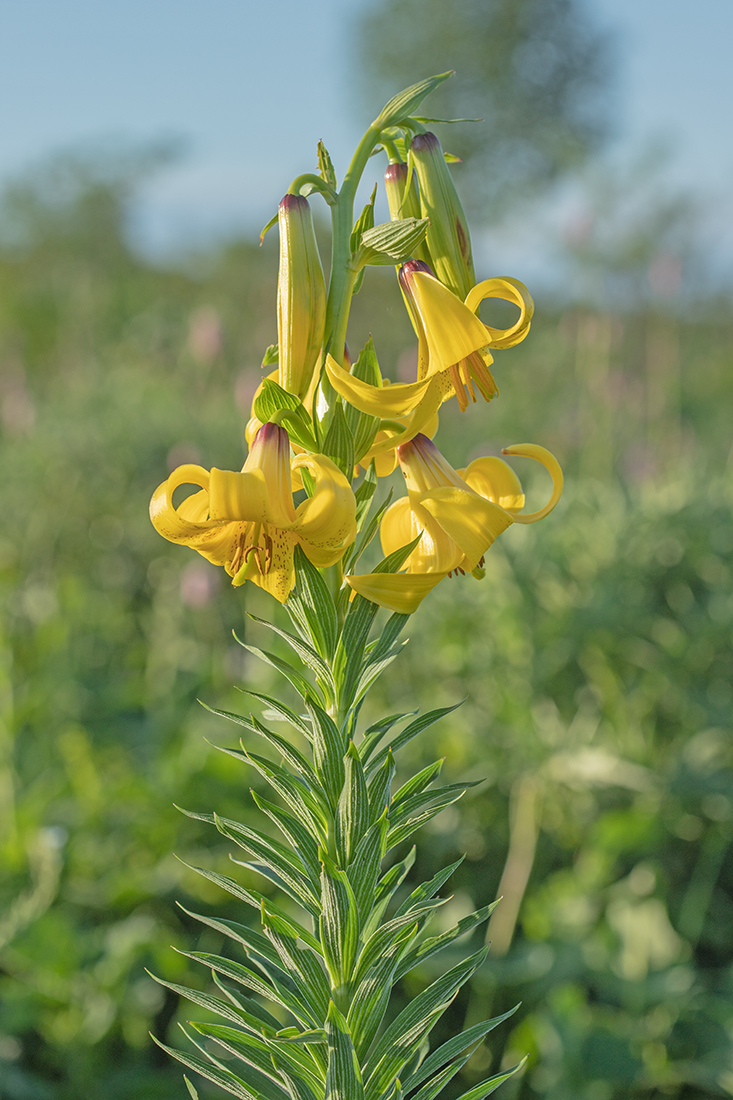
[(448, 241), (395, 181)]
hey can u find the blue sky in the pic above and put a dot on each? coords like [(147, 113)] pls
[(250, 91)]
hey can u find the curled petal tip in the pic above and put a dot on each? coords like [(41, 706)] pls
[(548, 460)]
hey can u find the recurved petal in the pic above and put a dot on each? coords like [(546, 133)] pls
[(387, 402), (436, 551), (472, 522), (509, 290), (452, 330), (547, 459), (190, 520), (328, 517), (401, 592), (495, 480)]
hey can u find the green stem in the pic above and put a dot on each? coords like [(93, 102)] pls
[(341, 284)]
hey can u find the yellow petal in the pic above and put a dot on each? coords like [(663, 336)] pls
[(472, 522), (396, 527), (401, 592), (495, 480), (422, 417), (436, 551), (509, 290), (265, 493), (328, 517), (387, 402), (548, 460), (167, 520), (279, 577), (452, 330)]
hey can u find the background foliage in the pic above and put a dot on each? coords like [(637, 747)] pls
[(595, 657)]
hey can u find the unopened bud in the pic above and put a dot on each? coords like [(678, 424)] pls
[(395, 181), (301, 296), (448, 240)]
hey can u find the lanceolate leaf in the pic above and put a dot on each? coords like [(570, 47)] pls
[(226, 1080), (276, 857), (413, 805), (363, 871), (352, 812), (270, 990), (250, 1050), (374, 734), (491, 1084), (430, 888), (370, 1001), (417, 783), (379, 788), (437, 1083), (344, 1079), (339, 923), (435, 806), (294, 758), (328, 751), (407, 1031), (285, 712), (296, 678), (454, 1046), (432, 946), (305, 651), (314, 606), (389, 882), (295, 833), (304, 801), (215, 1005), (409, 732)]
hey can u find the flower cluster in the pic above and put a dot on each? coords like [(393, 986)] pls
[(318, 420)]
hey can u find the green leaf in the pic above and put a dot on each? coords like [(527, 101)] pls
[(325, 166), (344, 1077), (379, 788), (452, 1047), (374, 733), (192, 1091), (304, 967), (363, 871), (431, 1089), (251, 939), (436, 805), (366, 535), (390, 881), (392, 242), (305, 651), (406, 102), (226, 1080), (272, 354), (418, 783), (314, 603), (253, 725), (338, 443), (273, 399), (252, 1008), (364, 427), (270, 989), (392, 629), (279, 708), (211, 1004), (419, 801), (339, 923), (351, 645), (430, 888), (364, 494), (298, 837), (251, 897), (308, 805), (251, 1049), (404, 1035), (491, 1084), (328, 751), (352, 812), (364, 222), (303, 687), (409, 732), (432, 946), (370, 1001), (275, 856), (268, 227)]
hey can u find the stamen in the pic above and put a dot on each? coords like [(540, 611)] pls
[(458, 386), (482, 376), (466, 373)]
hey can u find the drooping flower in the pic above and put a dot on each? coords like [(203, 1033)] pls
[(457, 513), (248, 521), (448, 240), (453, 351)]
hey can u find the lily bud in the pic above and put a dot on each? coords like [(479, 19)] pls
[(395, 180), (301, 296), (448, 240)]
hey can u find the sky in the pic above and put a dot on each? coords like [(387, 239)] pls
[(247, 91)]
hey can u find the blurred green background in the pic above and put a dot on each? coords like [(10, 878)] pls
[(595, 656)]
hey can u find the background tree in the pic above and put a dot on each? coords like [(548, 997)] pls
[(537, 71)]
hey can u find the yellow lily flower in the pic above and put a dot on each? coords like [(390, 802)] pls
[(248, 521), (458, 513), (453, 355)]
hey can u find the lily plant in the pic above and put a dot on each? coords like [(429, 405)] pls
[(301, 1006)]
